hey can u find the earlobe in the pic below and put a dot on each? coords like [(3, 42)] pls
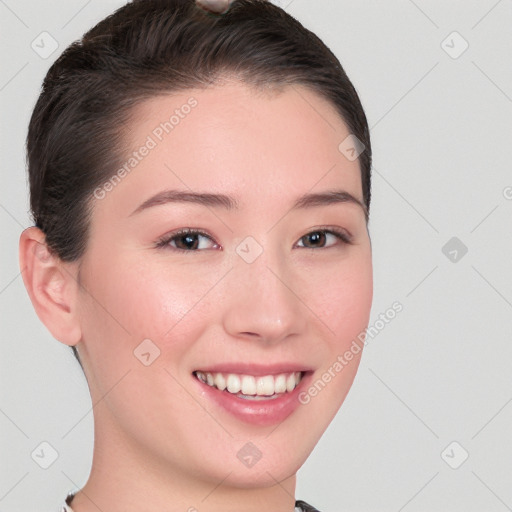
[(51, 285)]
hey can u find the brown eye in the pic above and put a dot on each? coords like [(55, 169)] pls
[(318, 239), (187, 240), (315, 239)]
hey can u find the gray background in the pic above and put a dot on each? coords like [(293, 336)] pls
[(440, 372)]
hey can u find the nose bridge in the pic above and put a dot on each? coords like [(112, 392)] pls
[(262, 300)]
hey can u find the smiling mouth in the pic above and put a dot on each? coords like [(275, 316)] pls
[(250, 387)]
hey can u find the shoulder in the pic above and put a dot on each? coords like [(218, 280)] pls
[(66, 505), (302, 506)]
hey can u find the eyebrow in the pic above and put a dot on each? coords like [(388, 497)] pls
[(309, 200)]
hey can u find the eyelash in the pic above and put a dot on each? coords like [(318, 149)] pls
[(163, 243)]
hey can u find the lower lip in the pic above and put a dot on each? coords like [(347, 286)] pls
[(256, 412)]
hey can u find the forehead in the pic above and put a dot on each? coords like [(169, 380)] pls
[(236, 140)]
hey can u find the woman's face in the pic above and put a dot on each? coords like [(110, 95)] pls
[(262, 291)]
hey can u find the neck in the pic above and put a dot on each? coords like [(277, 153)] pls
[(126, 478)]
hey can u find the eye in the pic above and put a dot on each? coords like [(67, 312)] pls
[(187, 240), (319, 238)]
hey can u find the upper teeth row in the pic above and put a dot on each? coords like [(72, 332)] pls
[(250, 385)]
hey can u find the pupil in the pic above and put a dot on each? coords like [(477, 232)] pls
[(316, 237), (190, 239)]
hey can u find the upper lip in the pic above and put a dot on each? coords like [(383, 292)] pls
[(254, 369)]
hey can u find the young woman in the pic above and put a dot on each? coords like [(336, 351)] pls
[(200, 189)]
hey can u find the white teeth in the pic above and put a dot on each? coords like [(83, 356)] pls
[(265, 385), (233, 382), (291, 382), (219, 381), (249, 385), (280, 384)]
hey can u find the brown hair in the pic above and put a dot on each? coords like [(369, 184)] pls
[(76, 136)]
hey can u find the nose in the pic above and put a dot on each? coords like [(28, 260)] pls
[(262, 301)]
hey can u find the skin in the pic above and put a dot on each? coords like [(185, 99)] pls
[(159, 444), (218, 6)]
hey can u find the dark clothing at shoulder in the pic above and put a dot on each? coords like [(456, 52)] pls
[(305, 507)]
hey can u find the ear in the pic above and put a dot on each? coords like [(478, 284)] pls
[(52, 286)]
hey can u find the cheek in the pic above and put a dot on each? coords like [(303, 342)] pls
[(135, 304), (141, 300), (162, 303), (341, 295)]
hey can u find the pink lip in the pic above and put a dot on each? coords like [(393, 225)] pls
[(261, 412), (255, 369)]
